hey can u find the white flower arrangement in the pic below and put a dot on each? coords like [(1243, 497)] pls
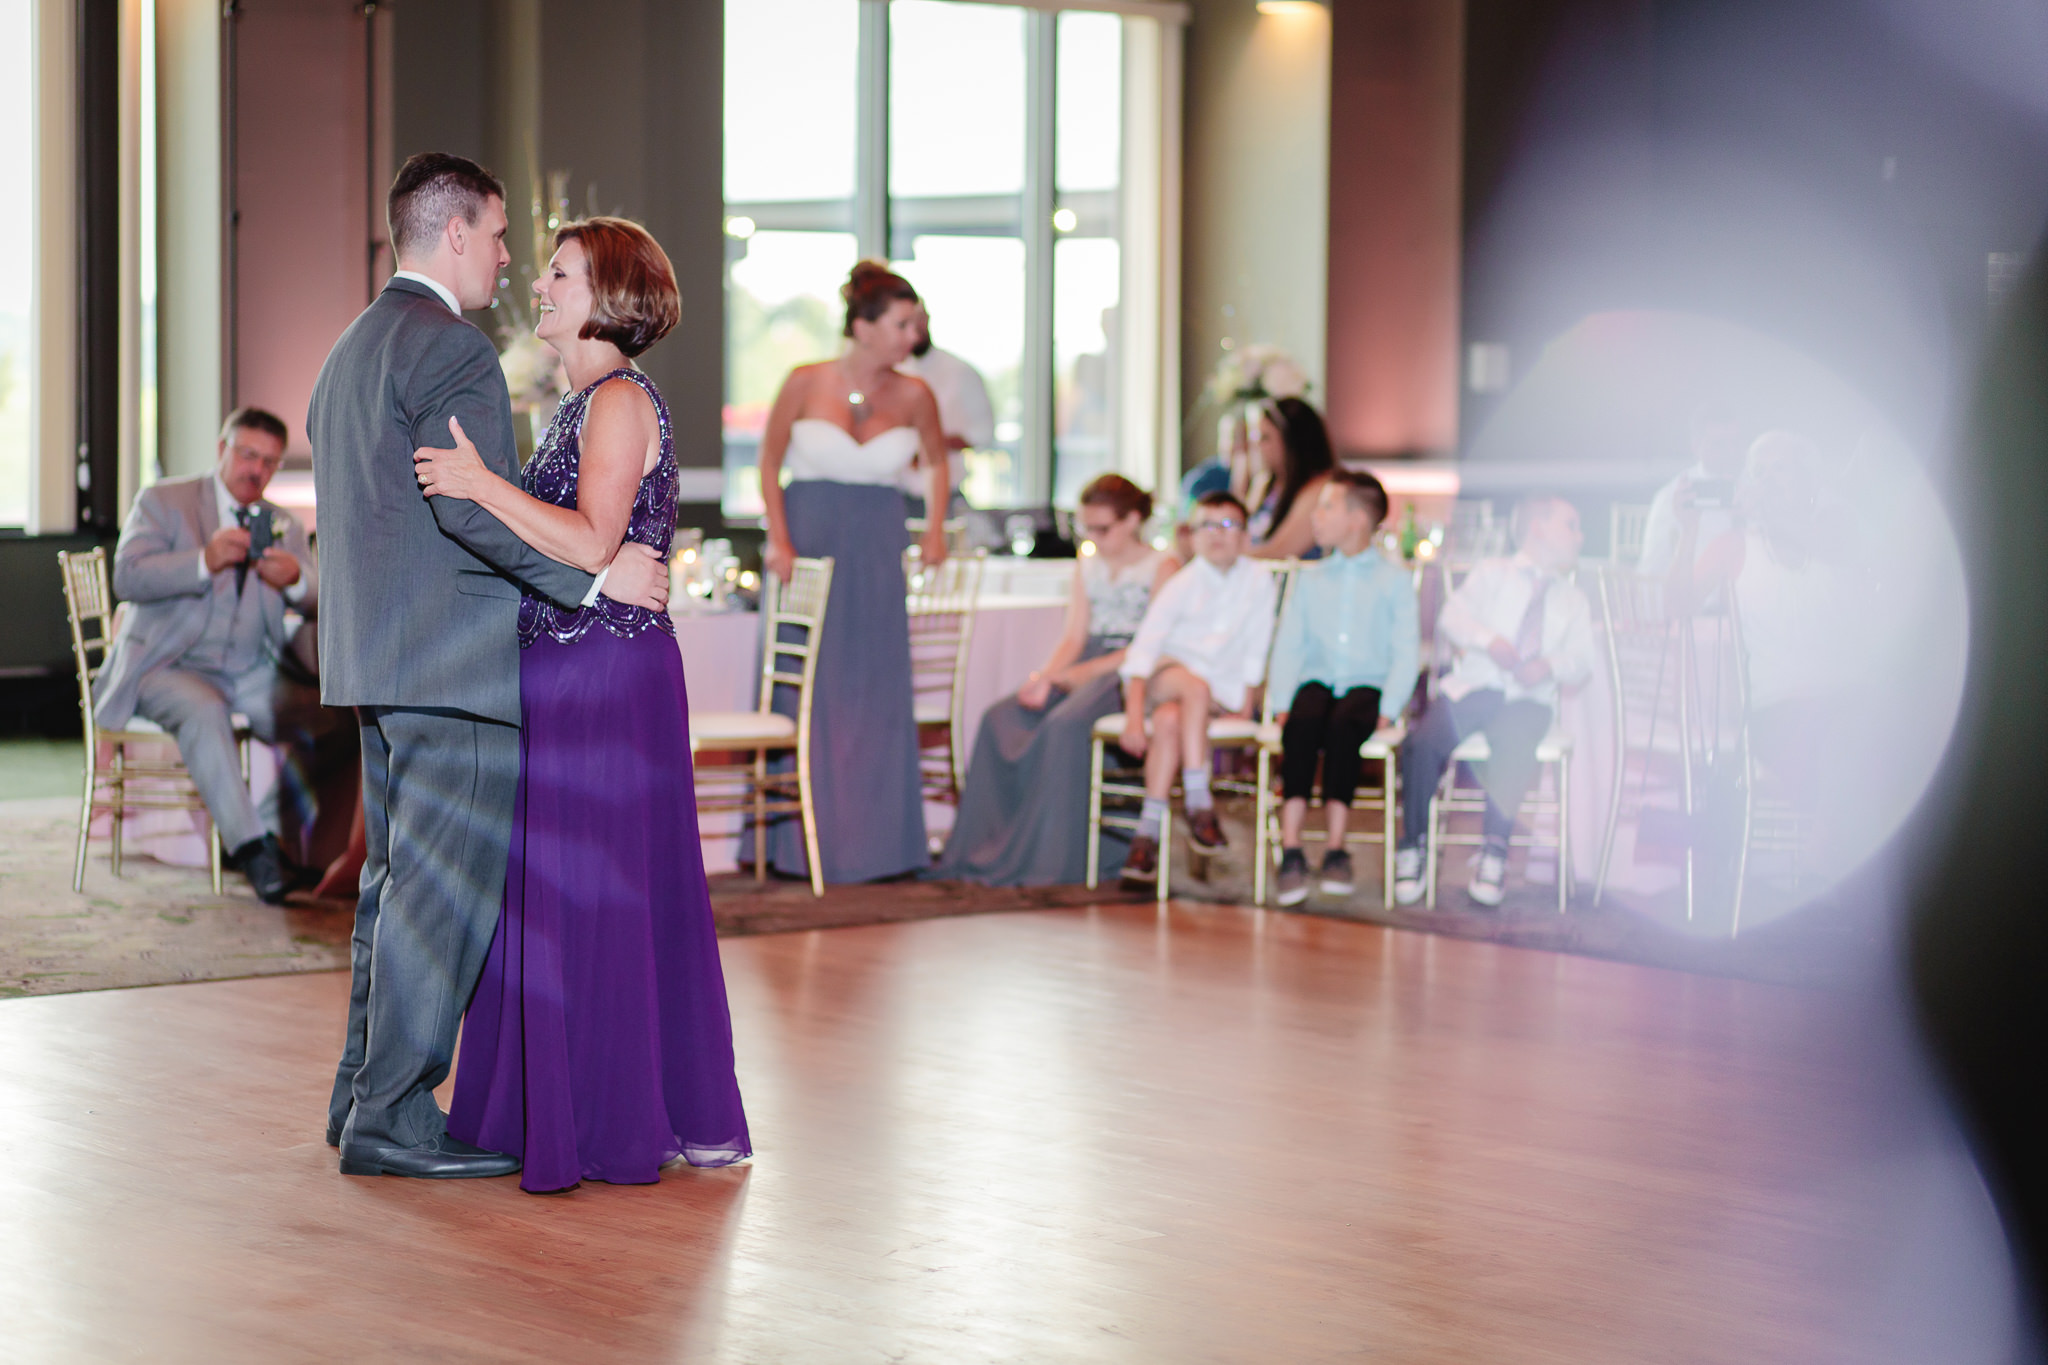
[(1254, 372), (533, 372)]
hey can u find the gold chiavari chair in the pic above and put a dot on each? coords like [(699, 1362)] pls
[(1644, 657), (1227, 733), (1554, 760), (1382, 748), (940, 603), (792, 625), (125, 769), (1771, 822), (1626, 522)]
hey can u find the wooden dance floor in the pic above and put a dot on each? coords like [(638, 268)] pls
[(1064, 1136)]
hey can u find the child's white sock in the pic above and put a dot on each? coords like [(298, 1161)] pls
[(1194, 783), (1153, 818)]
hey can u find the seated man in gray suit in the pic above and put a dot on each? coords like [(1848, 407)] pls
[(208, 568)]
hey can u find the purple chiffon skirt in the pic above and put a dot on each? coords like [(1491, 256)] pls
[(598, 1045)]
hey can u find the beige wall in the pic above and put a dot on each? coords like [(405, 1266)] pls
[(53, 405), (189, 379), (1257, 192)]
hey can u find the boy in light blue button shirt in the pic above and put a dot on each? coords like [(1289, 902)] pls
[(1344, 664)]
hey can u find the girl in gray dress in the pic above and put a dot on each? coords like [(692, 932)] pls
[(1024, 814)]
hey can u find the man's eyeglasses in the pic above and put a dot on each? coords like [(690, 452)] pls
[(1219, 524)]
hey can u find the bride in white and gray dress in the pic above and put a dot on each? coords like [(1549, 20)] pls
[(844, 430), (1024, 815)]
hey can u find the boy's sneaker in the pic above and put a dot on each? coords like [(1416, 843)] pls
[(1141, 868), (1488, 879), (1337, 875), (1205, 831), (1291, 886), (1408, 887)]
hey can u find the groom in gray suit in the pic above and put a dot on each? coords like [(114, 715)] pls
[(418, 632)]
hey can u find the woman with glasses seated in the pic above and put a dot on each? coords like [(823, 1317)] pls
[(1023, 815)]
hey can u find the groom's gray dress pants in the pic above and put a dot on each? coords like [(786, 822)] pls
[(438, 789)]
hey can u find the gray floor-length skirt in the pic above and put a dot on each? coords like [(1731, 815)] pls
[(1023, 817), (863, 732)]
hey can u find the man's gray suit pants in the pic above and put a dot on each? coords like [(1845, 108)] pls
[(438, 788), (194, 708)]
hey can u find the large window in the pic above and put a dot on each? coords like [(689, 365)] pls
[(17, 245), (981, 149)]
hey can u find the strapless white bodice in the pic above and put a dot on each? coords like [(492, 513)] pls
[(825, 450)]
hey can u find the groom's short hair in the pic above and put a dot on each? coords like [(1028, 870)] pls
[(431, 188)]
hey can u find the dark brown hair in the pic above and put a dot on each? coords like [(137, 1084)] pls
[(255, 419), (1366, 492), (1223, 498), (633, 298), (1307, 443), (869, 290), (1119, 495), (431, 188)]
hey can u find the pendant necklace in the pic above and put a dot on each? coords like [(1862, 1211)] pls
[(854, 396)]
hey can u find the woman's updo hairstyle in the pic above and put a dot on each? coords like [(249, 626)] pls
[(633, 298), (869, 291), (1119, 495)]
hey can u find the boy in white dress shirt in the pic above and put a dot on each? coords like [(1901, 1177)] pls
[(1200, 652), (1523, 631)]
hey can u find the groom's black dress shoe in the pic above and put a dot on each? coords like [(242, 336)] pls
[(444, 1158)]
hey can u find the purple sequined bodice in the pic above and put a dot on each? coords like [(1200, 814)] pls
[(551, 477)]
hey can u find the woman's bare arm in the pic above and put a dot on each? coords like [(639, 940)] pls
[(1292, 537), (931, 440), (619, 443), (779, 554)]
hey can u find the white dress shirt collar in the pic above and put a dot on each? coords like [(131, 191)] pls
[(446, 294), (223, 501)]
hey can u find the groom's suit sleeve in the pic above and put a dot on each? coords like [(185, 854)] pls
[(459, 377)]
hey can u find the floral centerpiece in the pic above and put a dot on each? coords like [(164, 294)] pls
[(1247, 381), (533, 372), (1255, 374)]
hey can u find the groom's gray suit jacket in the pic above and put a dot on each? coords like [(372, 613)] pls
[(421, 597)]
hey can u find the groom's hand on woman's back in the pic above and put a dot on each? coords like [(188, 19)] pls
[(638, 577)]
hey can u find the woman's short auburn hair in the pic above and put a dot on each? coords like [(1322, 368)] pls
[(633, 298)]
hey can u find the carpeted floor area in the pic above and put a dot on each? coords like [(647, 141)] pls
[(158, 924)]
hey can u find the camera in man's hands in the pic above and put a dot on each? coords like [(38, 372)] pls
[(262, 535)]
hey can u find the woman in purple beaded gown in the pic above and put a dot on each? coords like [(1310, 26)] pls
[(598, 1045)]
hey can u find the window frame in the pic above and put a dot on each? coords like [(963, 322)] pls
[(1143, 214)]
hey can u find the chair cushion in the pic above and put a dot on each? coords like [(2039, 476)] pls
[(1223, 730), (737, 729), (1474, 748)]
